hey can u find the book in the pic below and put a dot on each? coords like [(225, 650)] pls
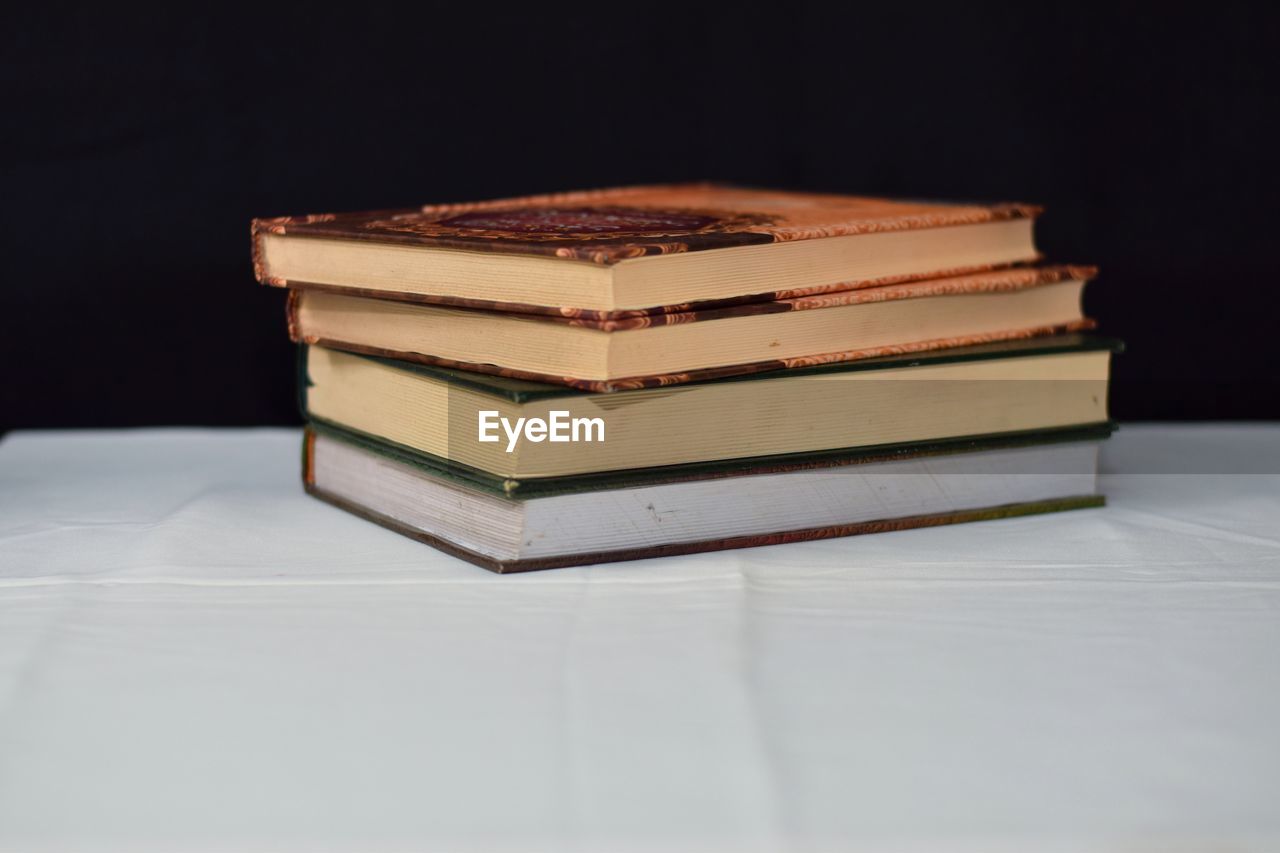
[(702, 514), (510, 487), (1009, 387), (636, 251), (666, 349)]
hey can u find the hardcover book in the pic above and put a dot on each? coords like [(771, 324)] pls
[(941, 395), (678, 516), (523, 489), (666, 349), (636, 251)]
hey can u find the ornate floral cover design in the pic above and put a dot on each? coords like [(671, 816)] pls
[(612, 225)]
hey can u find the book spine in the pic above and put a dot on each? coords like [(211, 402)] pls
[(308, 458), (291, 315), (257, 229)]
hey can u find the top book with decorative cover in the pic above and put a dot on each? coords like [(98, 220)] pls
[(635, 251)]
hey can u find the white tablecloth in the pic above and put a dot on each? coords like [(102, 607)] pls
[(195, 655)]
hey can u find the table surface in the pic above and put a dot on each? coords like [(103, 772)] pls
[(195, 655)]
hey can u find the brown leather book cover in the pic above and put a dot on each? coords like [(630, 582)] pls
[(986, 282), (611, 225)]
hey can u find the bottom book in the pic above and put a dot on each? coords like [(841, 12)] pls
[(681, 515)]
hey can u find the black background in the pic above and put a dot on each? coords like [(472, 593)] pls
[(137, 148)]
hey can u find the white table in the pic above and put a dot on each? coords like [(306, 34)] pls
[(196, 656)]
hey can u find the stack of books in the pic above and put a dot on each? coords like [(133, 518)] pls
[(616, 374)]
